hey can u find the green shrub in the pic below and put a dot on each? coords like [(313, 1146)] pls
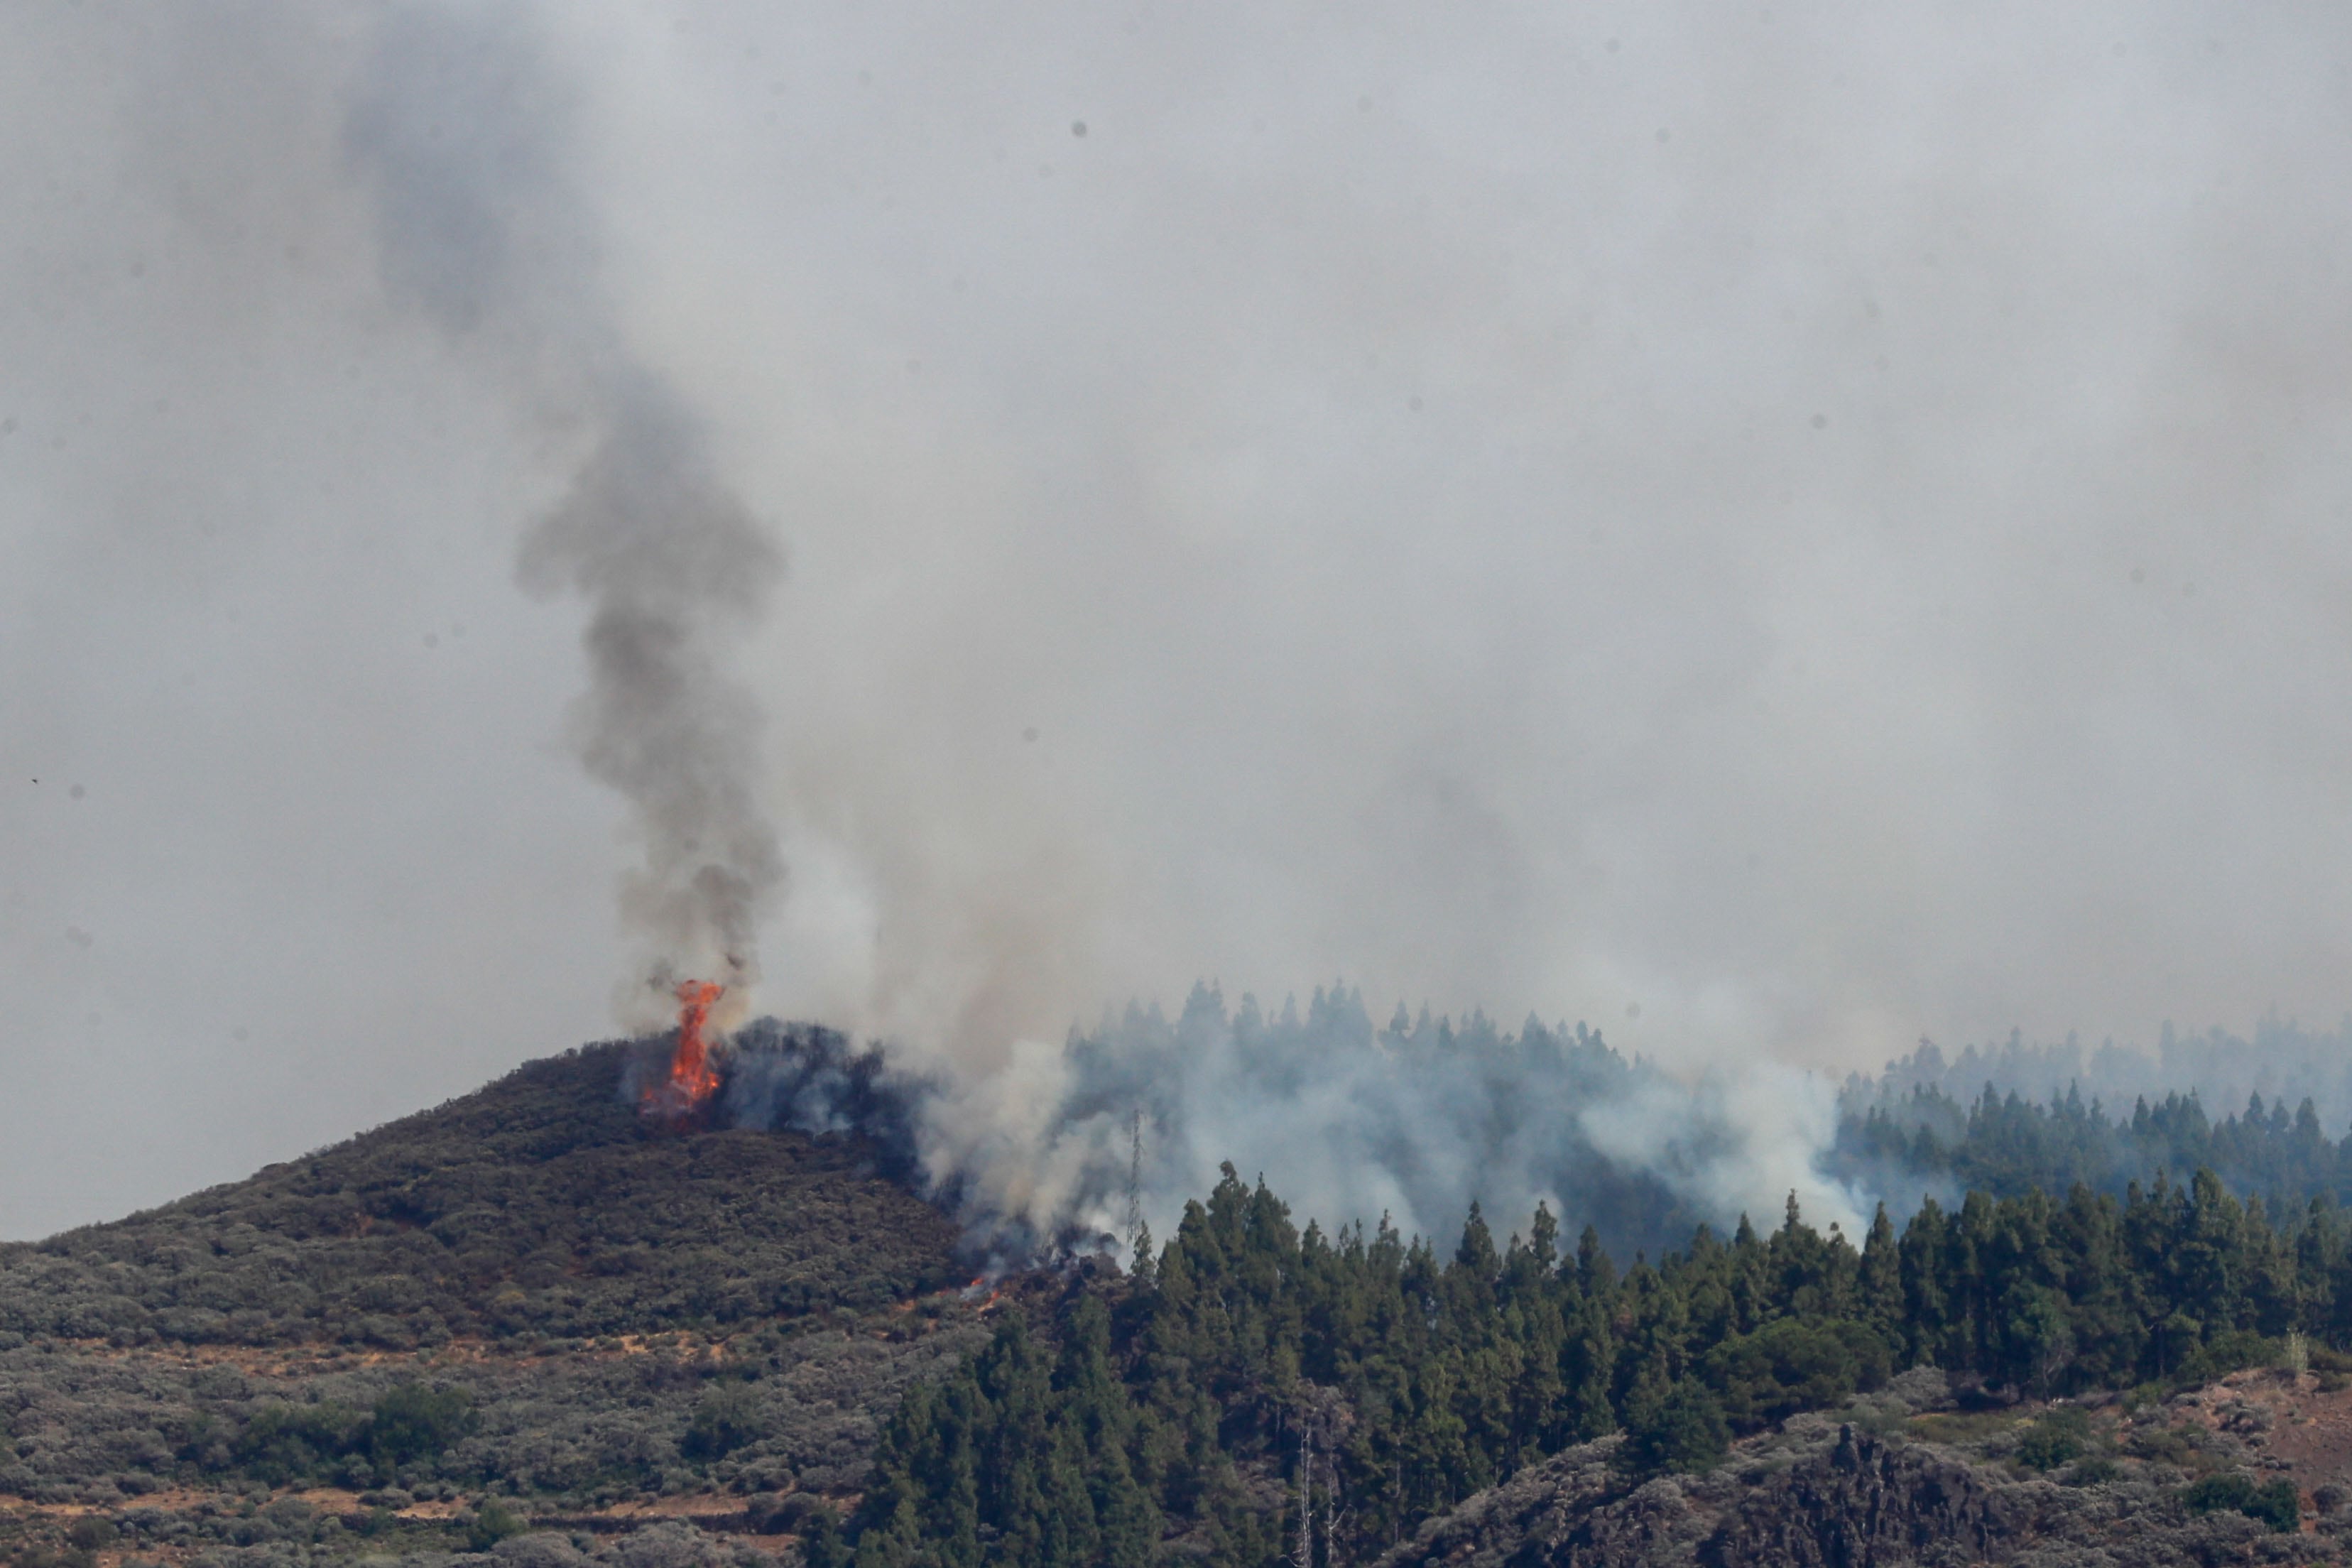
[(288, 1442), (2170, 1444), (2233, 1349), (411, 1422), (285, 1444), (92, 1533), (43, 1557), (2274, 1504), (821, 1545), (491, 1524), (2215, 1493), (2095, 1471), (1680, 1429), (1791, 1366), (725, 1420), (2327, 1359), (2060, 1437)]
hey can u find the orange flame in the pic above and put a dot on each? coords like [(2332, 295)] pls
[(692, 1079)]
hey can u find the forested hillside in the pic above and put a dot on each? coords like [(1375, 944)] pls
[(2269, 1116), (532, 1310), (1415, 1117), (1251, 1367), (1418, 1117)]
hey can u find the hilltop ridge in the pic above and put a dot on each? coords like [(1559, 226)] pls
[(536, 1205)]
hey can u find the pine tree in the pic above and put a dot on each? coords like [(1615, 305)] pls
[(1882, 1304), (1543, 1238), (1671, 1424)]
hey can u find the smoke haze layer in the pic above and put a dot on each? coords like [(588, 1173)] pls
[(1412, 1126), (1407, 1124), (1070, 1150), (1776, 533)]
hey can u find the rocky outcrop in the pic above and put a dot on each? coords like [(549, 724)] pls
[(1869, 1503), (1820, 1494), (1532, 1513), (1655, 1524)]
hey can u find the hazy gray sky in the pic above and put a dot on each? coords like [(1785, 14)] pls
[(1816, 523)]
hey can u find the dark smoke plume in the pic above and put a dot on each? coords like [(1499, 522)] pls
[(456, 135), (809, 1078), (671, 563)]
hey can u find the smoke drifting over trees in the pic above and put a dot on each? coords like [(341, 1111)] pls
[(1414, 1122), (1410, 1124), (1773, 535), (1422, 1118)]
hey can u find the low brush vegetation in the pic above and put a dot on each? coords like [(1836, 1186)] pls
[(283, 1445), (769, 1411), (537, 1210), (521, 1302), (2060, 1438)]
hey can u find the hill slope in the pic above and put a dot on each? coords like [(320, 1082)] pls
[(524, 1294), (525, 1310), (536, 1205)]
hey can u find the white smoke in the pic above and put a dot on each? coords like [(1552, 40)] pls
[(1409, 1125)]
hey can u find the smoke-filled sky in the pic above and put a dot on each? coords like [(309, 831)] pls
[(1776, 531)]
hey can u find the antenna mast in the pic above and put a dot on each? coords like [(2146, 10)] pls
[(1134, 1179)]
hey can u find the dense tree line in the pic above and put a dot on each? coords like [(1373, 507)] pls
[(2283, 1061), (1263, 1393), (2006, 1145)]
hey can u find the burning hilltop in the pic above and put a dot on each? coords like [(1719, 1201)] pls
[(681, 1096)]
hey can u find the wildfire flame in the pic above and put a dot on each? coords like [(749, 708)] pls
[(692, 1080)]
